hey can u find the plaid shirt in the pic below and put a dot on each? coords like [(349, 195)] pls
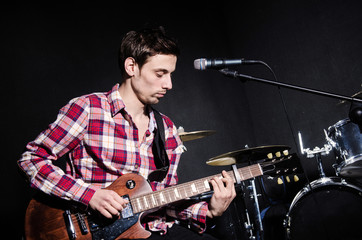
[(102, 142)]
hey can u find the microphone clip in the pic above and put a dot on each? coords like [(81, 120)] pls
[(229, 73)]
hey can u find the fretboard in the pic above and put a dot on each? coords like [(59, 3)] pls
[(186, 190)]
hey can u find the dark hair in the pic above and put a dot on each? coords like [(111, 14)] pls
[(145, 43)]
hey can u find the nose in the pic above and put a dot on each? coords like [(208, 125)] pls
[(167, 83)]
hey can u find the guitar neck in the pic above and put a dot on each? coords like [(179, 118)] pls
[(186, 190)]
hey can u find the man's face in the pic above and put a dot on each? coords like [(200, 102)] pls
[(151, 82)]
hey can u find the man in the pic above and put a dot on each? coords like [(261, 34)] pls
[(111, 134)]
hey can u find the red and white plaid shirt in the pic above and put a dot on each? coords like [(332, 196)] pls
[(102, 142)]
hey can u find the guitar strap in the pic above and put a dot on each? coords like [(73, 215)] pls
[(159, 152)]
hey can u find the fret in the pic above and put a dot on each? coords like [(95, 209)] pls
[(176, 193), (186, 190), (145, 201), (183, 192), (193, 188), (168, 195), (139, 204), (162, 198), (153, 201), (206, 184)]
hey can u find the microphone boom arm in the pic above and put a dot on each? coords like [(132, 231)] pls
[(243, 77)]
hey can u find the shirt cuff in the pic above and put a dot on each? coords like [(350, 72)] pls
[(194, 215)]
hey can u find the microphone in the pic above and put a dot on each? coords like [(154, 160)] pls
[(203, 63)]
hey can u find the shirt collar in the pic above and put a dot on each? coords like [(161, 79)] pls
[(117, 104), (115, 100)]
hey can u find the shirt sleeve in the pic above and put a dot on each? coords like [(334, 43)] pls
[(58, 139), (191, 213)]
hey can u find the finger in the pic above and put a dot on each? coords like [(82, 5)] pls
[(215, 186), (107, 211), (112, 209), (226, 175), (117, 201), (229, 182)]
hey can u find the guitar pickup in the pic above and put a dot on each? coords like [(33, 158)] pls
[(127, 211)]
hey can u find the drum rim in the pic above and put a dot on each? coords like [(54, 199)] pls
[(321, 182), (352, 160), (346, 163), (316, 184), (338, 124)]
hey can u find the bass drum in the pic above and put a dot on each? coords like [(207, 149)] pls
[(327, 208)]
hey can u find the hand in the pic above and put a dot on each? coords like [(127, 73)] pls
[(224, 193), (107, 202)]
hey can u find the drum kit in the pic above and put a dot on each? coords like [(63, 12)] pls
[(326, 208)]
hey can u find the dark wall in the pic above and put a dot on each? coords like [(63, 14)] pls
[(52, 54)]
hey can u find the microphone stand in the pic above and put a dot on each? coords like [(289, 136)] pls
[(235, 74)]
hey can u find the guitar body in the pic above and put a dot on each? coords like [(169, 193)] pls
[(45, 215)]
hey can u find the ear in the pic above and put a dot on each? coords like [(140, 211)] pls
[(130, 66)]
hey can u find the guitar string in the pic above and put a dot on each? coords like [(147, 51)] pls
[(186, 188), (254, 170)]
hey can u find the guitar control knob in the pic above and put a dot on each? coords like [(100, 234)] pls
[(278, 154), (286, 152), (280, 181), (270, 155)]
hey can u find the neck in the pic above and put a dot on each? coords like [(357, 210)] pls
[(134, 106)]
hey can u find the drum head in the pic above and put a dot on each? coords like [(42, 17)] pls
[(327, 212)]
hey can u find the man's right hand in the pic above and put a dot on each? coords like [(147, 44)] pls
[(107, 202)]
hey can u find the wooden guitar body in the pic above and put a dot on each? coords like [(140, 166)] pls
[(45, 215)]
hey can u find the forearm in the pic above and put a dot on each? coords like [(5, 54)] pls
[(59, 138), (43, 175)]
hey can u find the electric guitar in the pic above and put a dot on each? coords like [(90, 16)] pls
[(54, 218)]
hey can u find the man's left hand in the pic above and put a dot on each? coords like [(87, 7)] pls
[(224, 193)]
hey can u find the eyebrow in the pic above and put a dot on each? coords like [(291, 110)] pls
[(164, 70)]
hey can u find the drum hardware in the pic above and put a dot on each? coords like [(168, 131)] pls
[(248, 225), (316, 152), (345, 139), (254, 196)]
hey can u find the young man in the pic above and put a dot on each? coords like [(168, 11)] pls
[(111, 134)]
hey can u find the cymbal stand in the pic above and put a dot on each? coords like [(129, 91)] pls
[(247, 224), (254, 197)]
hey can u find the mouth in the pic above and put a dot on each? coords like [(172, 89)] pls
[(160, 94)]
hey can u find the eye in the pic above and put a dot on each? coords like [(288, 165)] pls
[(160, 73)]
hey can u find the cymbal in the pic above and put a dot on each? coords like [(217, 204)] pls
[(357, 94), (245, 155), (188, 136)]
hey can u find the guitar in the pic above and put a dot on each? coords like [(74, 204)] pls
[(54, 218)]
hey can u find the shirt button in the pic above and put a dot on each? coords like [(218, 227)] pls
[(136, 166)]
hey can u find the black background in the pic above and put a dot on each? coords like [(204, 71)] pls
[(51, 54)]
